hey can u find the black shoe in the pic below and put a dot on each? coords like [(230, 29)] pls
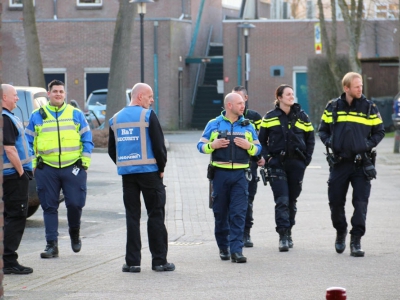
[(283, 243), (290, 240), (50, 251), (247, 242), (355, 246), (166, 267), (76, 243), (131, 269), (238, 258), (224, 254), (17, 269), (340, 243)]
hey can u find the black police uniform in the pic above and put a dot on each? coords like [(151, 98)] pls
[(255, 118), (350, 130), (288, 143)]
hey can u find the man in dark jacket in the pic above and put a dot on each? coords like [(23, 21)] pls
[(351, 126)]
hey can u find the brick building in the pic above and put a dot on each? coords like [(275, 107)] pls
[(76, 43), (76, 40)]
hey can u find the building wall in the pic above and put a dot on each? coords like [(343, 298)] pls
[(82, 38), (289, 43)]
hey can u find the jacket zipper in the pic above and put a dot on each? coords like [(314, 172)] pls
[(59, 139)]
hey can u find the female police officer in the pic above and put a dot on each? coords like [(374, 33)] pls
[(287, 139)]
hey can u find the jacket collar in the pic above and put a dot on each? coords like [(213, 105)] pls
[(55, 108)]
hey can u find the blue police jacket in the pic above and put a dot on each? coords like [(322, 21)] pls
[(133, 143), (25, 153), (231, 157)]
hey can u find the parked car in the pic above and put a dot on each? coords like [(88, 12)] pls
[(30, 98), (96, 105), (396, 112)]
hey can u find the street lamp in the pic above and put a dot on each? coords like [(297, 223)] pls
[(141, 5), (246, 30)]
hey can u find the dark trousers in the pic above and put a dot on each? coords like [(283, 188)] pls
[(15, 197), (286, 184), (229, 206), (153, 190), (341, 175), (49, 182), (252, 193)]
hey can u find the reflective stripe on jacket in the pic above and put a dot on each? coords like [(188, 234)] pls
[(21, 144), (132, 139)]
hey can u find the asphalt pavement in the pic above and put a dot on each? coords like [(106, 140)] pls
[(305, 272)]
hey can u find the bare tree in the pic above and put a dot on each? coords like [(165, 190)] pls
[(34, 59), (330, 44), (353, 23), (120, 57)]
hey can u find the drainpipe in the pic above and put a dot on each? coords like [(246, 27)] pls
[(239, 57), (155, 59), (55, 9), (180, 89)]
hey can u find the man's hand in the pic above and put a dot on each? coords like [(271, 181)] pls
[(261, 162), (219, 143), (162, 175), (242, 143)]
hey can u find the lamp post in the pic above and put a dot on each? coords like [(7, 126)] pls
[(141, 5), (246, 30)]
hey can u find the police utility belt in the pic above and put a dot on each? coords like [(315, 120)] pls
[(211, 172), (365, 160)]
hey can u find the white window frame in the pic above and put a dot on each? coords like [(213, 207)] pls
[(83, 4), (17, 5)]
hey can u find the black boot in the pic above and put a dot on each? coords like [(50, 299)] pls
[(355, 246), (247, 242), (51, 250), (340, 243), (290, 241), (283, 241), (76, 243)]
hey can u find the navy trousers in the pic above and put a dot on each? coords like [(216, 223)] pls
[(286, 185), (49, 182), (341, 175), (230, 206)]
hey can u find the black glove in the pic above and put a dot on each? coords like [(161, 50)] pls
[(328, 142), (368, 168)]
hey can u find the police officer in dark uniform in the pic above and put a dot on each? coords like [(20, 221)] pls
[(231, 140), (255, 161), (17, 171), (351, 126), (287, 138)]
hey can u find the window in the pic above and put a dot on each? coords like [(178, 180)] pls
[(89, 3), (17, 3), (386, 11)]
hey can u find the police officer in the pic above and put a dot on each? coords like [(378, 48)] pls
[(255, 118), (231, 140), (136, 144), (287, 138), (62, 142), (17, 170), (351, 126)]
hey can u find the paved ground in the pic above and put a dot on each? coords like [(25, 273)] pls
[(305, 272)]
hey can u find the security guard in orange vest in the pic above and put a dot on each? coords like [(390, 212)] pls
[(62, 141)]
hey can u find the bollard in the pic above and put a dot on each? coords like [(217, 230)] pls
[(336, 293)]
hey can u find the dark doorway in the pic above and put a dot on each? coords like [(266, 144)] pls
[(51, 76)]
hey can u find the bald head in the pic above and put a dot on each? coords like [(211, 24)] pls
[(142, 95), (10, 96), (234, 106), (231, 97)]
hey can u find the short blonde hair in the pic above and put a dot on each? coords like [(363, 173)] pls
[(348, 78)]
